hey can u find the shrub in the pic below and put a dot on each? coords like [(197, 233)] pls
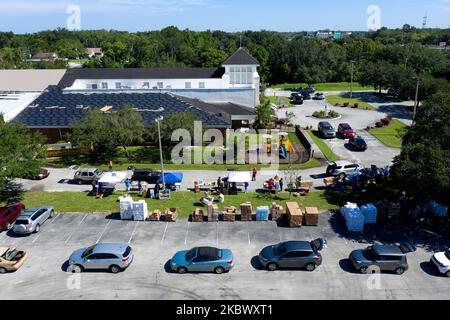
[(356, 105), (333, 114), (386, 121), (379, 124), (346, 104)]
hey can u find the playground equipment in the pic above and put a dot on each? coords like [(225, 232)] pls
[(284, 146)]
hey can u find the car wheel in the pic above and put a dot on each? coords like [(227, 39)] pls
[(9, 225), (448, 274), (272, 266), (37, 229), (310, 267), (80, 182), (182, 270), (2, 270), (52, 214), (114, 269), (400, 271), (219, 270), (363, 270), (76, 268)]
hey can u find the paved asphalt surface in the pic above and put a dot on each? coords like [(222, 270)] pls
[(44, 274)]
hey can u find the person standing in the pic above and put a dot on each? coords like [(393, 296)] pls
[(110, 165), (254, 172), (281, 184), (127, 184), (246, 186)]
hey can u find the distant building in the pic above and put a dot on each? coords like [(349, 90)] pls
[(94, 52), (324, 35), (45, 56)]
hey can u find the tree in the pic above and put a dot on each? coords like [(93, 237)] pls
[(21, 155), (104, 132), (171, 122), (264, 115), (423, 167)]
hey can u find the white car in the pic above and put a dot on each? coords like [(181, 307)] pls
[(442, 261), (342, 168)]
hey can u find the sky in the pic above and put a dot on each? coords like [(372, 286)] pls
[(27, 16)]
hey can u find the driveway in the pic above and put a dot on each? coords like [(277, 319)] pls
[(357, 118), (44, 275), (377, 153)]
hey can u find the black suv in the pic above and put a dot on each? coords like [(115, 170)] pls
[(146, 175)]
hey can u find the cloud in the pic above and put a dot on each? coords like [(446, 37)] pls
[(23, 7)]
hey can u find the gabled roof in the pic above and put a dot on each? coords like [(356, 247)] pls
[(241, 57), (139, 73)]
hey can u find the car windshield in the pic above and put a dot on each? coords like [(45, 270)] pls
[(87, 252), (369, 254), (279, 249), (191, 254), (447, 254), (96, 172), (359, 140), (10, 254)]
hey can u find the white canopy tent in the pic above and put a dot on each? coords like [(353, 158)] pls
[(110, 179), (239, 177)]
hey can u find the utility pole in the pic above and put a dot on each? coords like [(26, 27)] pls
[(351, 80), (416, 101), (158, 120)]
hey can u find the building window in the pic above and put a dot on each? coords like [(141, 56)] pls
[(201, 85), (118, 85), (241, 75), (146, 85), (160, 85), (104, 85), (187, 85)]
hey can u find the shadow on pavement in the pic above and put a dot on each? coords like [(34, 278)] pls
[(256, 264), (430, 269)]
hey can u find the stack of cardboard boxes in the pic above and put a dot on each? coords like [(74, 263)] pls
[(246, 212)]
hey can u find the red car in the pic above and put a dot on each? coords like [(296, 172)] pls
[(9, 214), (346, 131)]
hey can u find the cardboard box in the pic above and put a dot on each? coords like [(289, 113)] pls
[(294, 214), (246, 212), (213, 213), (198, 215), (171, 215), (311, 217), (276, 211)]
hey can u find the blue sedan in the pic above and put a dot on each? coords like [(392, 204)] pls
[(202, 259)]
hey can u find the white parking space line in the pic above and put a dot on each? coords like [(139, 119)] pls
[(248, 233), (75, 229), (37, 237), (217, 233), (103, 232), (164, 234), (134, 230), (187, 232)]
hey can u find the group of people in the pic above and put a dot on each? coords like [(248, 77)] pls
[(275, 184)]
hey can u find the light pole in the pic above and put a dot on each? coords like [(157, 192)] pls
[(351, 79), (158, 120), (416, 101)]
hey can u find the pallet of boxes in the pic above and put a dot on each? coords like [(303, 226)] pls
[(276, 212), (246, 212), (171, 215), (294, 214), (198, 215), (213, 213), (155, 215), (311, 216), (229, 214)]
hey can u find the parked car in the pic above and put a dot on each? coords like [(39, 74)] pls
[(32, 219), (297, 100), (11, 259), (342, 167), (115, 257), (9, 214), (384, 257), (306, 96), (309, 90), (202, 259), (293, 95), (358, 143), (293, 254), (147, 175), (326, 129), (87, 175), (442, 261), (319, 96), (346, 131), (43, 173)]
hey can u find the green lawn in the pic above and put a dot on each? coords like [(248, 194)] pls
[(391, 135), (274, 100), (327, 86), (341, 100), (323, 146), (185, 202)]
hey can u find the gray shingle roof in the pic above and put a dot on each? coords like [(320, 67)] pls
[(55, 109), (139, 73), (241, 57)]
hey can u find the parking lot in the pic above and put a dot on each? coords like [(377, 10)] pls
[(44, 275)]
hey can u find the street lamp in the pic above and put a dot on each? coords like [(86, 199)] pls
[(416, 101), (158, 120), (351, 79)]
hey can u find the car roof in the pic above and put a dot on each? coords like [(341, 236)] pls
[(209, 252), (30, 211), (388, 250), (88, 170), (109, 248), (345, 125), (340, 163), (297, 245)]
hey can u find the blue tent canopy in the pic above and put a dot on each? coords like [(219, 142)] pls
[(172, 177)]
